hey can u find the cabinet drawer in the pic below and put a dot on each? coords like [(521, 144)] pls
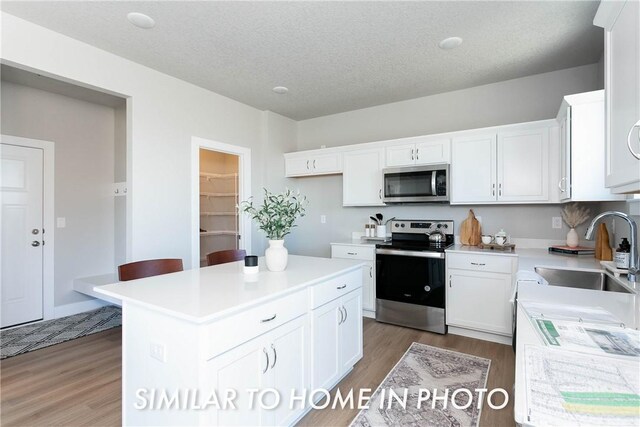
[(335, 288), (493, 263), (353, 252), (227, 333)]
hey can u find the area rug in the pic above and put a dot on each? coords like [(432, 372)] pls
[(423, 368), (44, 334)]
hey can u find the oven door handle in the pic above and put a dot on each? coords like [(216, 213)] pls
[(418, 254)]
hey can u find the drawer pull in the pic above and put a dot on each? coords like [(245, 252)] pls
[(275, 356), (269, 319), (341, 287), (352, 253), (480, 264), (266, 367)]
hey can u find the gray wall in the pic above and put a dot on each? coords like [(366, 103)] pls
[(84, 135), (531, 98)]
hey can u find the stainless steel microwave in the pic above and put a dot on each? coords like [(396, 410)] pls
[(416, 184)]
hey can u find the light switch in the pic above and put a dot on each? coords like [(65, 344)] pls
[(323, 219), (157, 352), (61, 222)]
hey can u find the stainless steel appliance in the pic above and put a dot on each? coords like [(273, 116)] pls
[(416, 184), (410, 274)]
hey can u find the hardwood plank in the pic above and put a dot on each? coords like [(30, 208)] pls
[(78, 383)]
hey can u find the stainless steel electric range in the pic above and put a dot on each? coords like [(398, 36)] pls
[(410, 274)]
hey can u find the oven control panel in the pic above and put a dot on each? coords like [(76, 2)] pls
[(421, 226)]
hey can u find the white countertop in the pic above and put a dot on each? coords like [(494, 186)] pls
[(357, 242), (205, 294)]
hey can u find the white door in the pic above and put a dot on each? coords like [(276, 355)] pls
[(288, 362), (473, 169), (401, 155), (351, 330), (434, 151), (22, 252), (523, 165), (362, 177), (296, 166), (329, 163), (325, 363)]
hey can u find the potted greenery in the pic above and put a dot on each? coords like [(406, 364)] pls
[(276, 216)]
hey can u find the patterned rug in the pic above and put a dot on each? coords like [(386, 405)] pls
[(427, 368), (44, 334)]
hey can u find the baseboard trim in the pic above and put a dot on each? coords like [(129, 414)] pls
[(369, 314), (485, 336), (78, 307)]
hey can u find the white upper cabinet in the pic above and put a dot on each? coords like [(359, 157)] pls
[(621, 21), (418, 151), (523, 165), (362, 177), (315, 162), (582, 145), (509, 166), (473, 169)]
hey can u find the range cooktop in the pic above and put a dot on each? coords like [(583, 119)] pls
[(413, 235)]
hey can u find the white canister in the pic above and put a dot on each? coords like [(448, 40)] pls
[(381, 231)]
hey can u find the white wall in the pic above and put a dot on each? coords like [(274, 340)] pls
[(526, 99), (163, 114), (83, 134)]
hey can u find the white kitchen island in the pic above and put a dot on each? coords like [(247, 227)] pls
[(203, 334)]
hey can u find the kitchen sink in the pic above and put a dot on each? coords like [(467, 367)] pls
[(581, 279)]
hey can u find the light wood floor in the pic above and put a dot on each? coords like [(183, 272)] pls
[(77, 383)]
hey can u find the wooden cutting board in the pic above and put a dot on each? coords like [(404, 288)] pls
[(603, 250), (470, 231)]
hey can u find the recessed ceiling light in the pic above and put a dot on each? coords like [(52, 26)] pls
[(141, 20), (450, 43), (280, 90)]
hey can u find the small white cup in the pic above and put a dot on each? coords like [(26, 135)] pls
[(486, 239), (381, 231), (501, 240)]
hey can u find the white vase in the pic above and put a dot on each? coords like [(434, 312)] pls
[(276, 255), (572, 238)]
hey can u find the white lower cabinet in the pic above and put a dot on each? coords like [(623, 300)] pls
[(365, 253), (337, 339), (478, 291), (276, 360)]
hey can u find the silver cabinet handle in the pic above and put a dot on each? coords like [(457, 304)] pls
[(346, 314), (266, 367), (371, 272), (412, 158), (449, 281), (341, 316), (307, 164), (417, 154), (560, 186), (478, 263), (314, 163), (275, 356), (35, 243), (493, 189), (269, 319), (500, 189), (352, 253), (633, 153), (341, 287), (380, 194)]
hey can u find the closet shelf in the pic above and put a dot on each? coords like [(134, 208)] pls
[(210, 176), (219, 233), (217, 213), (219, 194)]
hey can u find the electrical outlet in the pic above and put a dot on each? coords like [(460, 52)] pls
[(323, 219), (556, 222), (61, 222), (157, 352)]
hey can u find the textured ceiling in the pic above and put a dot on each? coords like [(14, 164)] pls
[(333, 56)]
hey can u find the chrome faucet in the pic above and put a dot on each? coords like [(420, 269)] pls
[(634, 263)]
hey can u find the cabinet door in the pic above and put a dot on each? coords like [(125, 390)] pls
[(362, 177), (622, 86), (467, 288), (325, 357), (400, 155), (434, 151), (351, 330), (245, 367), (368, 287), (523, 165), (297, 166), (289, 365), (564, 185), (473, 169), (326, 164)]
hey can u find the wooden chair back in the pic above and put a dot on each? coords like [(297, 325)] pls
[(148, 268), (223, 257)]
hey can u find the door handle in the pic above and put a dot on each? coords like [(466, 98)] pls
[(314, 163), (417, 154), (371, 272), (266, 367), (560, 187), (269, 319), (35, 231), (412, 158), (500, 189), (341, 287), (380, 194), (346, 314), (352, 253), (480, 264), (633, 153), (493, 189), (307, 164), (35, 243), (341, 316), (275, 356)]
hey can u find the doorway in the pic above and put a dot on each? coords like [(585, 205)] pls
[(27, 200), (221, 179)]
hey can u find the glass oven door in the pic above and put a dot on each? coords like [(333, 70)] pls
[(411, 277), (416, 184)]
